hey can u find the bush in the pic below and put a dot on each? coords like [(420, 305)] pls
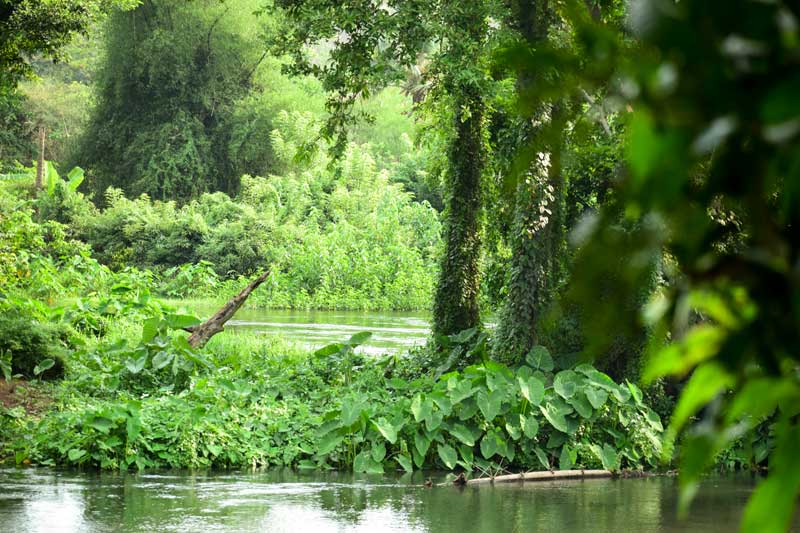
[(31, 344)]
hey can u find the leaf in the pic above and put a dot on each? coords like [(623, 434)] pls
[(463, 434), (378, 452), (463, 336), (421, 443), (386, 429), (329, 442), (539, 358), (530, 426), (515, 432), (705, 384), (364, 463), (359, 338), (700, 343), (565, 460), (581, 405), (489, 445), (565, 384), (490, 404), (421, 407), (351, 411), (462, 391), (329, 350), (554, 416), (654, 420), (636, 392), (75, 454), (772, 505), (161, 359), (434, 420), (448, 455), (609, 458), (532, 389), (75, 178), (596, 397), (150, 329), (542, 457), (135, 366), (44, 365), (404, 461), (101, 424), (180, 321)]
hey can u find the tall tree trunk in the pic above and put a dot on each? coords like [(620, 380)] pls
[(537, 240), (456, 301), (39, 183)]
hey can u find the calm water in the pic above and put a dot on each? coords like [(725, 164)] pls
[(33, 500), (313, 329)]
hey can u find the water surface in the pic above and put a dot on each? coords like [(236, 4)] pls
[(34, 500), (391, 331)]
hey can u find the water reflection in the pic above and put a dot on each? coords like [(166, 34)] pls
[(34, 500), (391, 331)]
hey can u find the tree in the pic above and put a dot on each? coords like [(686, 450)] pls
[(31, 28), (167, 121), (711, 178), (371, 45)]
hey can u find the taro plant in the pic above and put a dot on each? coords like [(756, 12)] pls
[(489, 417)]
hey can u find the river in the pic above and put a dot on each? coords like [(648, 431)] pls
[(43, 500), (391, 331)]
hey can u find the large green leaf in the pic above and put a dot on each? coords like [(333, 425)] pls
[(532, 389), (329, 442), (565, 384), (539, 358), (490, 404), (554, 416), (359, 338), (378, 451), (75, 454), (596, 397), (490, 445), (351, 411), (542, 457), (461, 391), (530, 426), (421, 443), (448, 455), (387, 429), (101, 424), (565, 460), (135, 366), (421, 407), (581, 405), (463, 434), (161, 360), (180, 321), (44, 365), (404, 461)]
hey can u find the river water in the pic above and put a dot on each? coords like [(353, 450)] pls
[(42, 500), (391, 331)]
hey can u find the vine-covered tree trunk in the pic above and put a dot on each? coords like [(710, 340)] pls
[(537, 240), (537, 251), (456, 302)]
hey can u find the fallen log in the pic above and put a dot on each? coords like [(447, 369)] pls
[(546, 475), (202, 333)]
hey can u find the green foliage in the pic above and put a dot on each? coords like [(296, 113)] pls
[(43, 28), (711, 165), (31, 349), (169, 88), (488, 417)]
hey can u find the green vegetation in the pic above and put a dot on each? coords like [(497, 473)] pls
[(615, 184)]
